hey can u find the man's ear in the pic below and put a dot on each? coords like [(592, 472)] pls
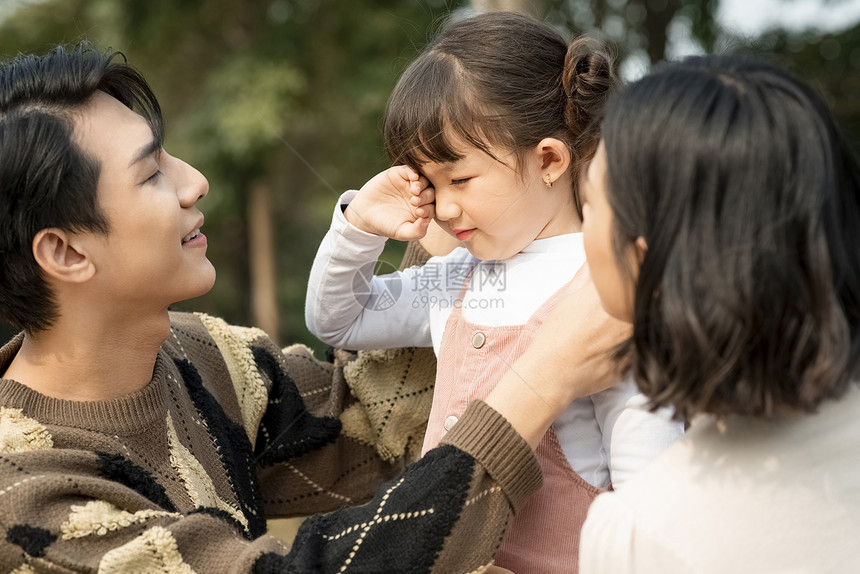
[(554, 159), (60, 257)]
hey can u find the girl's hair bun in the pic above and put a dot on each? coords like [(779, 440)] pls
[(588, 81)]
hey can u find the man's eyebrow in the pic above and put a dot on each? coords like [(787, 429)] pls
[(153, 147)]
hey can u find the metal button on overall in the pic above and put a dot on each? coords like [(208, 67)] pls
[(478, 339)]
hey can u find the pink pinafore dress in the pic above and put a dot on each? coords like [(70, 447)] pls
[(544, 536)]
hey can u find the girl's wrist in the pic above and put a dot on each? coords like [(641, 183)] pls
[(351, 212)]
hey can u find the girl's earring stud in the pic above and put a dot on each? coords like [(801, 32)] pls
[(548, 180)]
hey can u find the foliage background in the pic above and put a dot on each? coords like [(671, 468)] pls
[(279, 103)]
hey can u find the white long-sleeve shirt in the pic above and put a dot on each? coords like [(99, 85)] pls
[(606, 437)]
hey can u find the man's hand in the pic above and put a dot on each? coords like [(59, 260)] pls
[(397, 203)]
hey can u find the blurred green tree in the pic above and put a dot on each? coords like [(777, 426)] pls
[(642, 31), (645, 32)]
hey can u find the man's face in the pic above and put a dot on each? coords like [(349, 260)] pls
[(154, 253)]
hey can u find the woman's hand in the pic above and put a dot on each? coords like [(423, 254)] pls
[(570, 357), (574, 344), (397, 203)]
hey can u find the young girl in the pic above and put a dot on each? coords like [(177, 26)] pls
[(492, 124)]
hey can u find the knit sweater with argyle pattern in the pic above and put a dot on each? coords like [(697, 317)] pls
[(182, 475)]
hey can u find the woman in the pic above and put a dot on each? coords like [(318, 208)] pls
[(722, 219)]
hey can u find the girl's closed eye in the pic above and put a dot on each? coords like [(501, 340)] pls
[(460, 181), (154, 177)]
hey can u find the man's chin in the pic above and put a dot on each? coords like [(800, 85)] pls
[(203, 287), (209, 287)]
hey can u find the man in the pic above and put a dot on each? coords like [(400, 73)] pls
[(137, 440)]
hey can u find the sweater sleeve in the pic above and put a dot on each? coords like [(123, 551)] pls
[(444, 513)]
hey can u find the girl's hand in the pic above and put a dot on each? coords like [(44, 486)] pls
[(397, 203)]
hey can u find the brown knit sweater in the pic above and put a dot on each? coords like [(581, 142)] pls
[(181, 476)]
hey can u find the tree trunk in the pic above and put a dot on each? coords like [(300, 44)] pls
[(264, 304), (658, 16)]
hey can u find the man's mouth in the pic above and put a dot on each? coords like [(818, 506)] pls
[(193, 235)]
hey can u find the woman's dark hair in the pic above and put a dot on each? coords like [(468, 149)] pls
[(748, 196), (499, 79), (46, 179)]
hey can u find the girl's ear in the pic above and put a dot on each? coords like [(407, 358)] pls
[(554, 159), (58, 256)]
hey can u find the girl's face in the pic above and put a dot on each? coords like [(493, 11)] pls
[(614, 275), (494, 211)]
